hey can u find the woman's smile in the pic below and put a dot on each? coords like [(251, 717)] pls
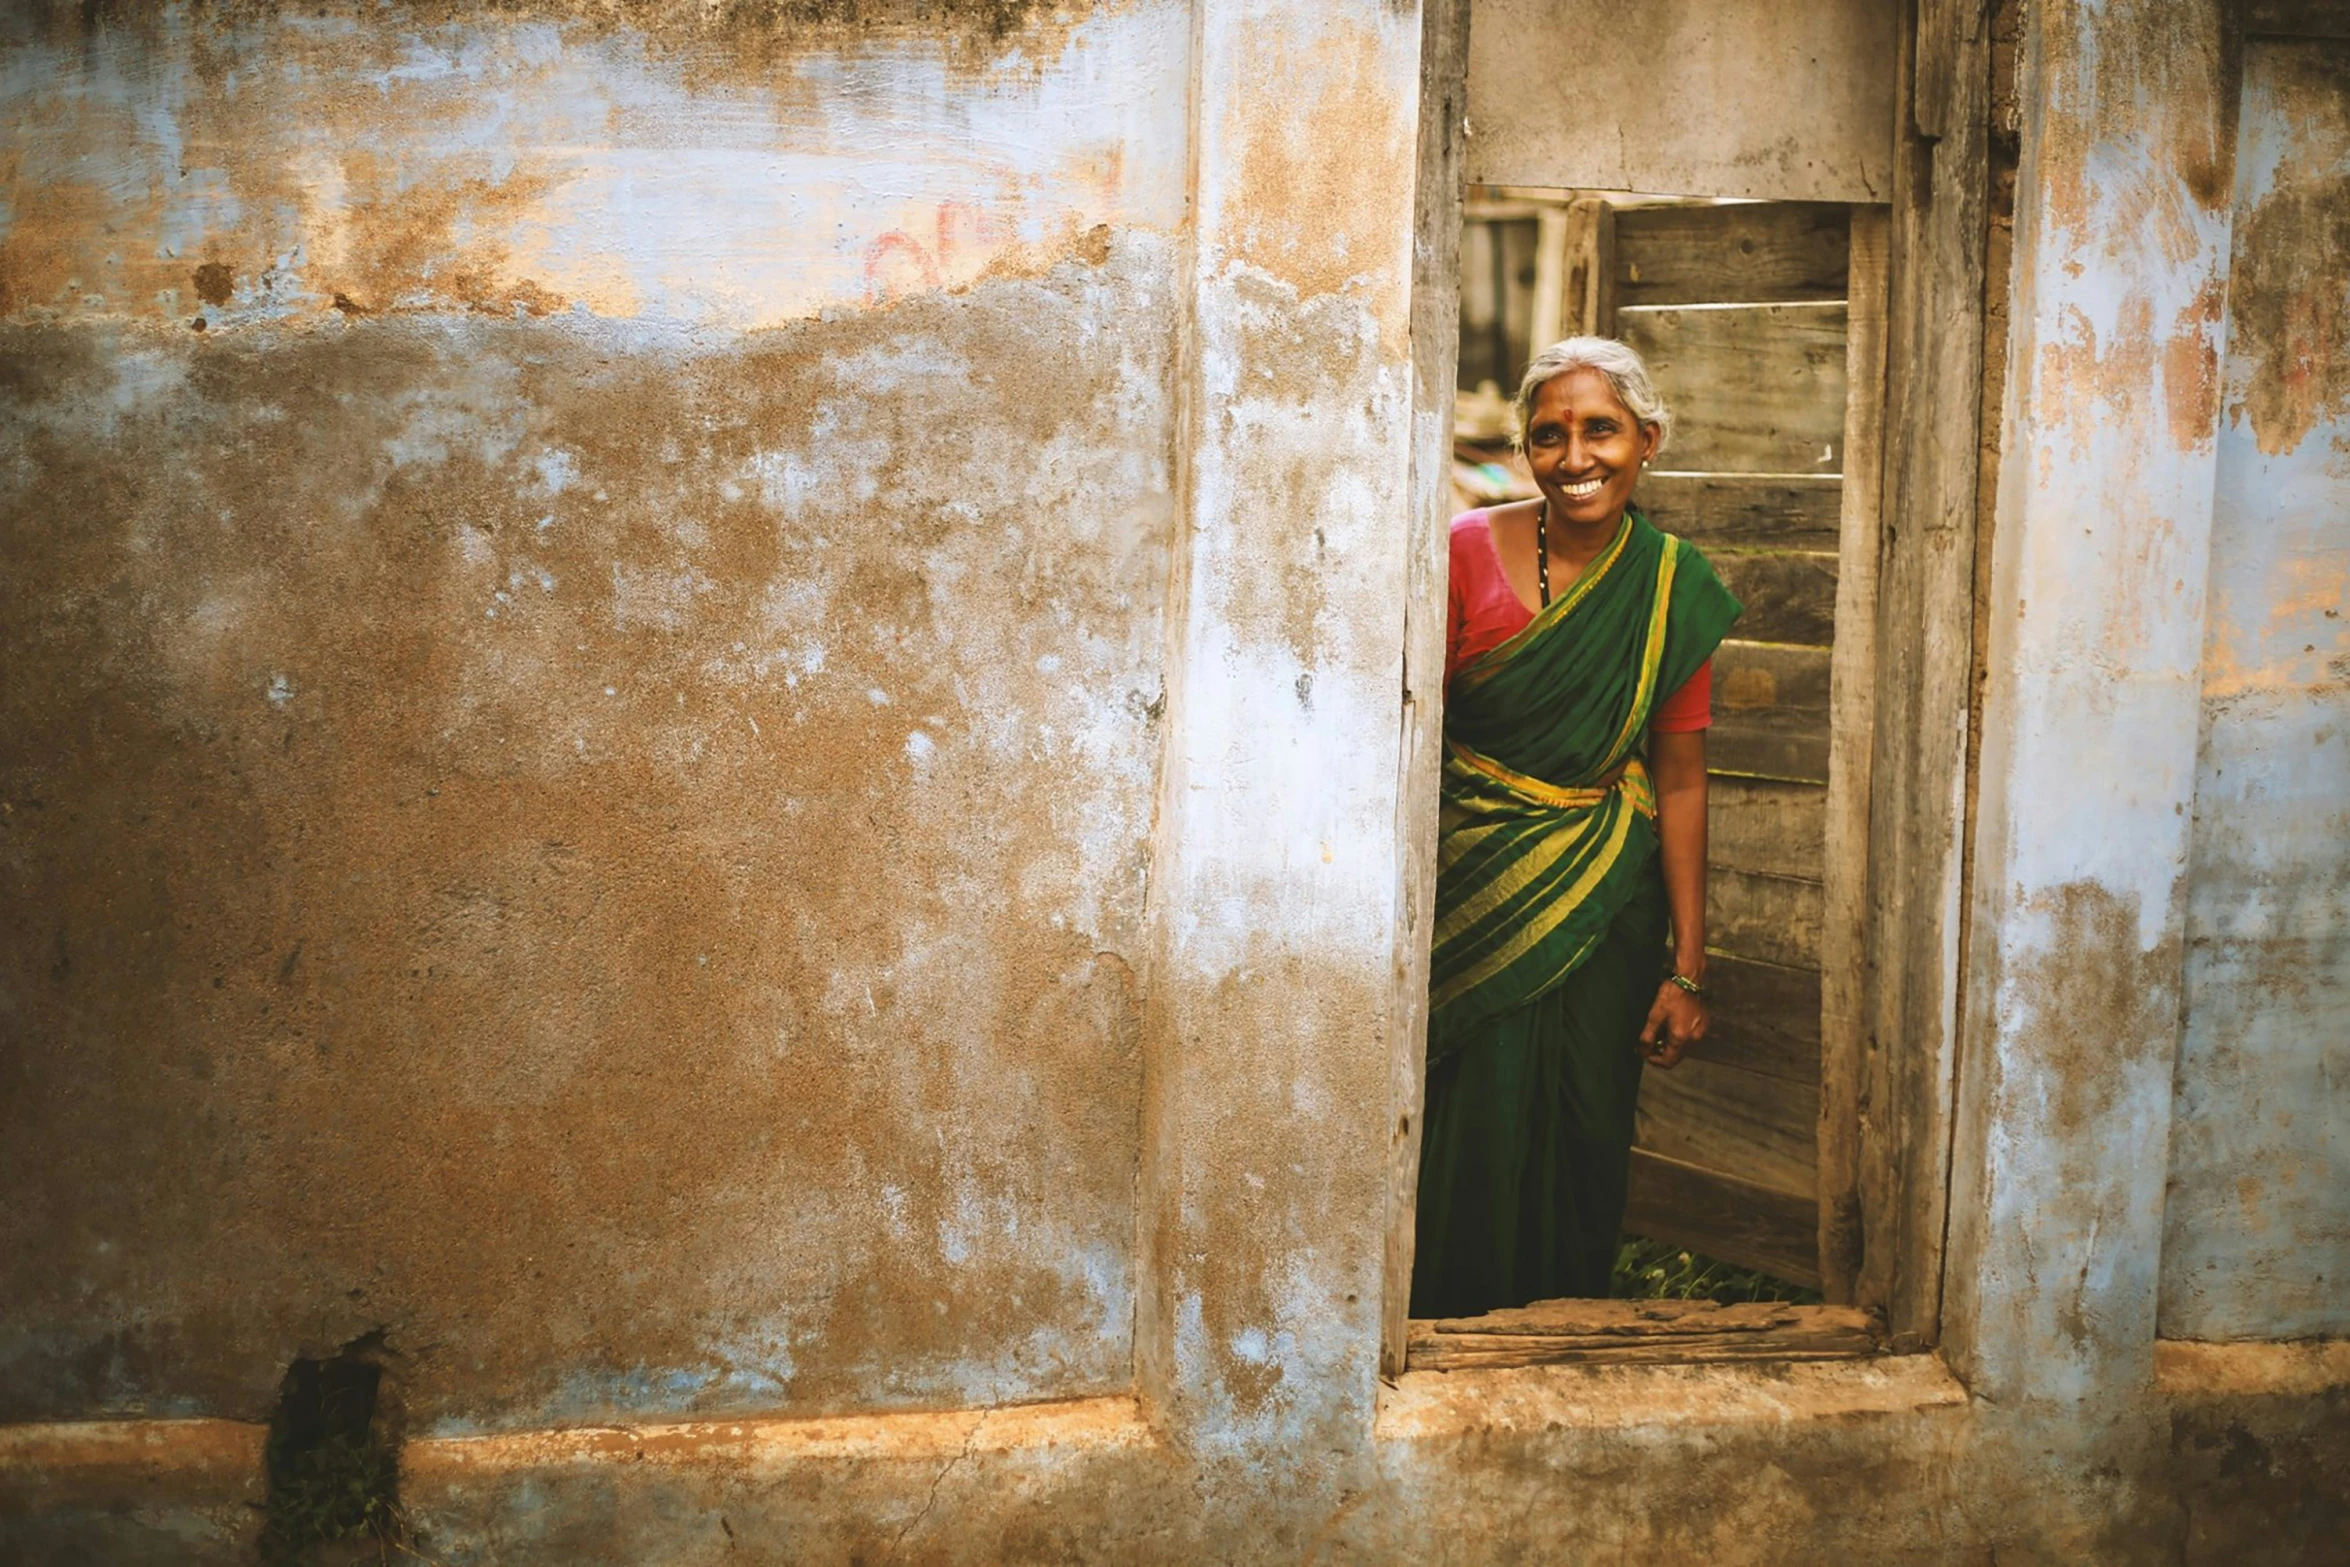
[(1585, 448)]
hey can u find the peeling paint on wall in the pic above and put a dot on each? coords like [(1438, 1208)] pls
[(280, 165), (1300, 215)]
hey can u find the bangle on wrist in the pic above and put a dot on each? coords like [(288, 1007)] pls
[(1686, 983)]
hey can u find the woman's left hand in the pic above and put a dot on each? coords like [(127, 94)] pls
[(1676, 1021)]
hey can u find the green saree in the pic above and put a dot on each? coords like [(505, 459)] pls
[(1551, 923)]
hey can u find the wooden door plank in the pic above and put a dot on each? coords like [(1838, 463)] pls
[(1935, 53), (1750, 676), (1770, 745), (1754, 389), (1766, 1018), (1772, 918), (1735, 1221), (1742, 1124), (1790, 596), (1626, 1332), (1770, 712), (1717, 510), (1756, 824), (1753, 252)]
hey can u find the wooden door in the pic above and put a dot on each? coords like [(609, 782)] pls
[(1741, 312)]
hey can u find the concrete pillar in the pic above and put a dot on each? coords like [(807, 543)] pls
[(1275, 861), (2091, 703)]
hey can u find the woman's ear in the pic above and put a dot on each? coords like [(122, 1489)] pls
[(1649, 436)]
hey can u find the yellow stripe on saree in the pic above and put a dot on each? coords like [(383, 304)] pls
[(1538, 926), (1520, 857)]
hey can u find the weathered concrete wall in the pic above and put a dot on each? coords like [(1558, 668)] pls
[(585, 617), (2257, 1229), (1211, 401), (1275, 881), (1632, 96), (2092, 656)]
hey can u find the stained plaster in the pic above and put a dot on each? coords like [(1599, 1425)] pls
[(1275, 856), (583, 754), (1258, 1429), (2257, 1226), (1813, 82), (2093, 652), (267, 165)]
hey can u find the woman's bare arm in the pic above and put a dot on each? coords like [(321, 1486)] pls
[(1676, 763)]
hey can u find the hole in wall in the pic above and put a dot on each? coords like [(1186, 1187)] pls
[(333, 1464)]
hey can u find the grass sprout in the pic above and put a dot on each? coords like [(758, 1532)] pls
[(1659, 1270)]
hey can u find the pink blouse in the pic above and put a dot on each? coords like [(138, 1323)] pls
[(1486, 612)]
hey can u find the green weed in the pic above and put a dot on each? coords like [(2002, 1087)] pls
[(337, 1489), (1658, 1270), (333, 1474)]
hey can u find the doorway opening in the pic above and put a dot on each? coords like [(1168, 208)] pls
[(1762, 325)]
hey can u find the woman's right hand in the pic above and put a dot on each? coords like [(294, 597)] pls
[(1676, 1020)]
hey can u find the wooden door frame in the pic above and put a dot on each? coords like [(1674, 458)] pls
[(1889, 1223), (1852, 705), (1902, 673)]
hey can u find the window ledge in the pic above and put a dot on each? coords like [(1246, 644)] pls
[(1070, 1426), (1437, 1405)]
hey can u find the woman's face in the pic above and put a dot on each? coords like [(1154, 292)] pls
[(1585, 447)]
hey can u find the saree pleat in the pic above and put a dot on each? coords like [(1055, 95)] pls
[(1524, 1149), (1550, 928)]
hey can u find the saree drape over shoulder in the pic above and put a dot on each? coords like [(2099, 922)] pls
[(1550, 924)]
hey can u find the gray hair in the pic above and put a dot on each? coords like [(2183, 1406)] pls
[(1626, 374)]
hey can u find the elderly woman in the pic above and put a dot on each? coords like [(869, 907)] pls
[(1578, 690)]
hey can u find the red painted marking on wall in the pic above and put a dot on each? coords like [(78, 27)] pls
[(897, 263)]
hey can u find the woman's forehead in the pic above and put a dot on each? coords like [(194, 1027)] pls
[(1578, 393)]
